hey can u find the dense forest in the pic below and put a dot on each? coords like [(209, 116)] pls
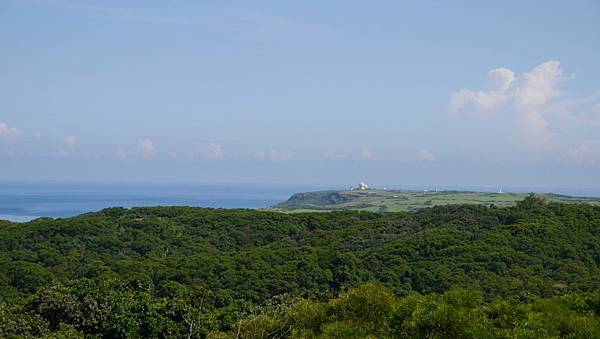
[(532, 270)]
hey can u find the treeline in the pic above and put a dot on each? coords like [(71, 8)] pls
[(172, 271)]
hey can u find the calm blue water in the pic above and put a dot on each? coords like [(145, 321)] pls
[(25, 201)]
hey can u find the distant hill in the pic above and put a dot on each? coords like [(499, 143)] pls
[(376, 200)]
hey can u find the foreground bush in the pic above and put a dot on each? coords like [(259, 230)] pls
[(371, 310)]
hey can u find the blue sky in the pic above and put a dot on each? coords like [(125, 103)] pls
[(306, 92)]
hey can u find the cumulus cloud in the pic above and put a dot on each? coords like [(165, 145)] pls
[(500, 80), (425, 155), (366, 154), (145, 147), (520, 99), (212, 151), (215, 151), (69, 146), (275, 155), (9, 132), (582, 110)]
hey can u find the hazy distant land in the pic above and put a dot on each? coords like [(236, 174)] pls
[(379, 200)]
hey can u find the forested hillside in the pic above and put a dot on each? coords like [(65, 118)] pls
[(178, 271)]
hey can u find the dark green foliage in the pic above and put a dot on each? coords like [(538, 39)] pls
[(374, 311), (179, 271)]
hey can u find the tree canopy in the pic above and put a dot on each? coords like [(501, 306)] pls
[(182, 271)]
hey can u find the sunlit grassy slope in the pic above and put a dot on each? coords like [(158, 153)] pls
[(407, 200)]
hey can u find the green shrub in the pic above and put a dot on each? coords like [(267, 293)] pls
[(369, 305)]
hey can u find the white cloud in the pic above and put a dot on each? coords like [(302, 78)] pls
[(215, 151), (519, 99), (69, 147), (500, 80), (8, 132), (276, 155), (527, 92), (582, 110), (366, 154), (425, 155), (146, 149), (539, 85), (212, 151), (533, 113)]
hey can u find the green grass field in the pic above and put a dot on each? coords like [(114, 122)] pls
[(406, 200)]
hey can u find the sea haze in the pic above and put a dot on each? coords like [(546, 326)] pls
[(24, 201)]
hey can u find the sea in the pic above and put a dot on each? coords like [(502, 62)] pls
[(24, 201)]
